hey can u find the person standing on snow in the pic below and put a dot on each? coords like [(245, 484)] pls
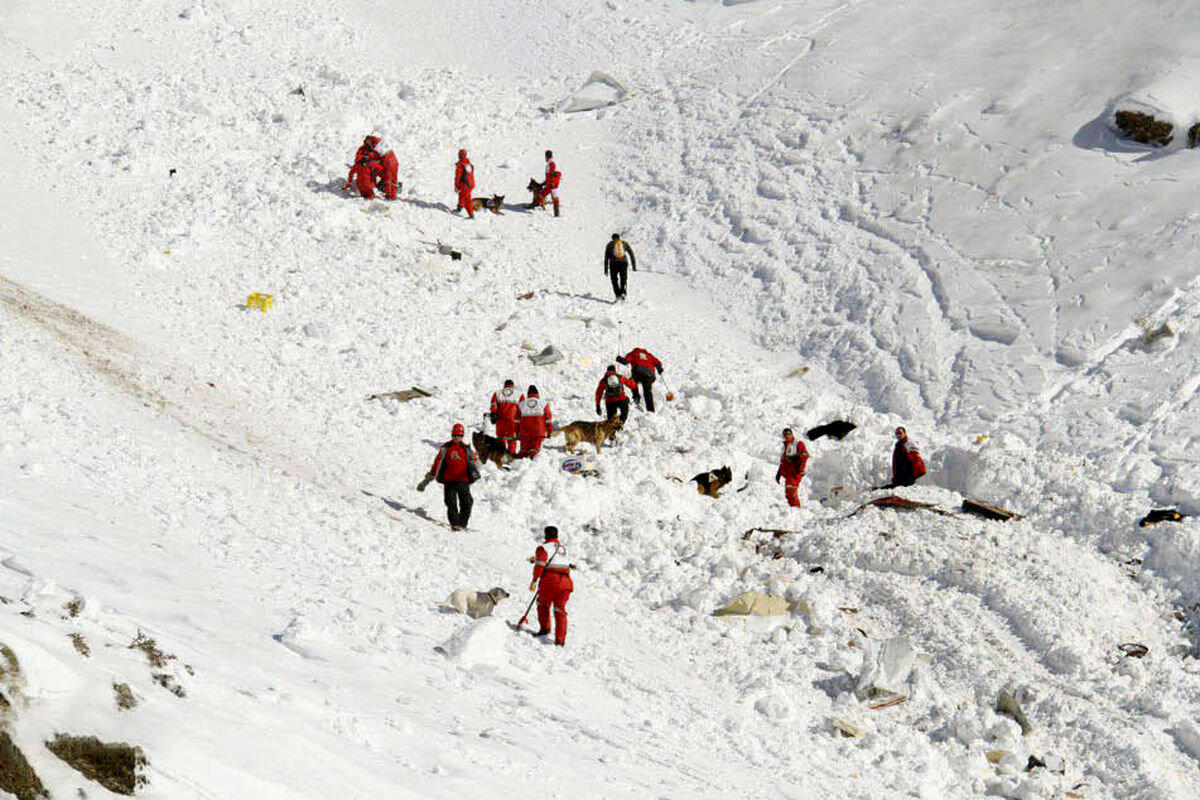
[(552, 580), (506, 414), (792, 463), (612, 388), (464, 183), (643, 365), (456, 469), (907, 464), (550, 183), (534, 423), (618, 257)]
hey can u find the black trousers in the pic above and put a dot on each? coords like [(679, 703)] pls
[(645, 381), (457, 495), (618, 273), (617, 408)]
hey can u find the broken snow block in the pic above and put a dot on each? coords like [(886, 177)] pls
[(114, 765), (988, 511), (1006, 703), (1143, 128), (755, 604), (1158, 515), (548, 355), (847, 729), (887, 673), (403, 395), (835, 430), (600, 90)]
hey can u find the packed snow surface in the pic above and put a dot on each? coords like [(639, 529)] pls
[(894, 213)]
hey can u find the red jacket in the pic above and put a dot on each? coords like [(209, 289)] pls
[(464, 175), (793, 460), (553, 176), (506, 405), (638, 357), (455, 463), (907, 464), (535, 417), (368, 158), (551, 558), (617, 394)]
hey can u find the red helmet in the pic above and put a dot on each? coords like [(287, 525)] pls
[(462, 153), (458, 429)]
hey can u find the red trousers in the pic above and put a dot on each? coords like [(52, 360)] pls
[(791, 489), (464, 200), (554, 590), (391, 170), (508, 432), (531, 444), (364, 181)]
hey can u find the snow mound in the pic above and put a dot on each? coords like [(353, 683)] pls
[(600, 90), (481, 644), (1164, 112)]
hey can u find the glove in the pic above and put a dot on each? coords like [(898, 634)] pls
[(533, 584), (777, 477), (424, 482), (659, 368), (606, 271), (492, 417), (597, 410)]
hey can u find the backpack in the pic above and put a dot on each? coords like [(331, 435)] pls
[(918, 464), (618, 250)]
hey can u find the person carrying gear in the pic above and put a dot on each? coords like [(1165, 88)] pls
[(907, 464), (792, 463), (534, 423), (456, 469), (464, 182), (612, 388), (506, 414), (552, 579), (550, 183), (618, 257), (373, 170), (643, 365)]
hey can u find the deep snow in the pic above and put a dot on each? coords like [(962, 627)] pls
[(895, 213)]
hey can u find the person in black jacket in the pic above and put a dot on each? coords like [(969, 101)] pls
[(618, 258)]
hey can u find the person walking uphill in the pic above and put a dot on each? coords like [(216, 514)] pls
[(552, 579), (907, 464), (792, 463), (464, 183), (505, 414), (456, 469), (618, 258), (612, 389), (534, 423), (643, 365)]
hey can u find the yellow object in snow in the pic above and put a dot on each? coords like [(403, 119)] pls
[(260, 301), (755, 604), (981, 438)]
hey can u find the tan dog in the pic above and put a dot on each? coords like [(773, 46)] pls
[(489, 448), (494, 204), (475, 604), (595, 432)]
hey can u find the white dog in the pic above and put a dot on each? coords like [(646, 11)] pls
[(476, 604)]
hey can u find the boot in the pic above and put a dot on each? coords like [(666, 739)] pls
[(543, 632), (556, 207)]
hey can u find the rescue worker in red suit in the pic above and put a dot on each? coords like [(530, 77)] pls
[(506, 414), (374, 169), (456, 469), (534, 423), (464, 183), (643, 366), (792, 463), (907, 464), (550, 183), (612, 388), (552, 579)]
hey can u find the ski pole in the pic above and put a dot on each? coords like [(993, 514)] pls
[(620, 349)]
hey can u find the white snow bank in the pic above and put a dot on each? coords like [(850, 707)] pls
[(481, 644), (600, 90), (1174, 554), (1173, 98)]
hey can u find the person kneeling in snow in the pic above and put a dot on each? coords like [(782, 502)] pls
[(552, 580), (792, 464), (373, 169), (456, 469), (907, 464)]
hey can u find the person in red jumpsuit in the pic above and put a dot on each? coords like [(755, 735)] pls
[(550, 183), (643, 366), (456, 469), (506, 414), (612, 388), (792, 463), (464, 183), (552, 579), (907, 464), (534, 423), (368, 166)]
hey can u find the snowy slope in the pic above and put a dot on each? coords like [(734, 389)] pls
[(917, 202)]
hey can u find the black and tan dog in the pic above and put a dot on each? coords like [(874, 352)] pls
[(535, 189), (595, 432), (712, 482), (489, 448), (494, 204)]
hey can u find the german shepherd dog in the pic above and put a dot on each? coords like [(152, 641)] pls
[(535, 189), (494, 204), (595, 432), (489, 448), (712, 482)]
